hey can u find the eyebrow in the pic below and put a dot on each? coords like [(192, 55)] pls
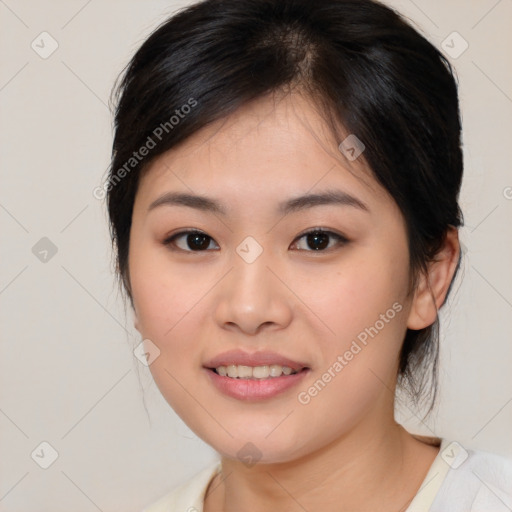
[(207, 204)]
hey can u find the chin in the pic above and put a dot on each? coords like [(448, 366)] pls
[(251, 449)]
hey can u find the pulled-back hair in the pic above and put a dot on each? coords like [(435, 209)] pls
[(368, 71)]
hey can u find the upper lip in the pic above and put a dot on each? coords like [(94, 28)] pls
[(238, 357)]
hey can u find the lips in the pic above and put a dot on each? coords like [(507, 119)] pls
[(238, 357)]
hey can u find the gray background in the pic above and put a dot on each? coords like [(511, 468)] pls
[(68, 375)]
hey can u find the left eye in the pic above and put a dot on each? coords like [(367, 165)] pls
[(318, 239)]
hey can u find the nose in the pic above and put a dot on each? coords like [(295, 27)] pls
[(252, 297)]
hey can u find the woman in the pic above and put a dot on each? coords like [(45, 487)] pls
[(283, 200)]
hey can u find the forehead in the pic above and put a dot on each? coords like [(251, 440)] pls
[(271, 148)]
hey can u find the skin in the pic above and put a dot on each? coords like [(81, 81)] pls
[(342, 450)]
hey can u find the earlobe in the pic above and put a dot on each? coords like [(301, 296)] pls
[(433, 285), (136, 320)]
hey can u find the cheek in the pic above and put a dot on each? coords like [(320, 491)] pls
[(352, 297), (164, 302), (162, 296), (364, 306), (170, 303), (358, 363)]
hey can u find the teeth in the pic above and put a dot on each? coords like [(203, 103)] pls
[(253, 372), (244, 372), (261, 372)]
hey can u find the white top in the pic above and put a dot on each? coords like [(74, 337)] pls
[(459, 480)]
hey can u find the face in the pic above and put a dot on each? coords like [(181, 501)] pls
[(332, 305)]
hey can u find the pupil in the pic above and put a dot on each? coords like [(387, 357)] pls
[(318, 240), (197, 238)]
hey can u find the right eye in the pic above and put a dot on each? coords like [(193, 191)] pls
[(194, 241)]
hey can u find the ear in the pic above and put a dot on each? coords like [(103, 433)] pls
[(433, 287)]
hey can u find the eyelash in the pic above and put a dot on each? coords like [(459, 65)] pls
[(341, 240)]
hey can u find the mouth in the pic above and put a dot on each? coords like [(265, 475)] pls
[(256, 376)]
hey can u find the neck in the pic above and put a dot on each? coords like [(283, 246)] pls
[(366, 469)]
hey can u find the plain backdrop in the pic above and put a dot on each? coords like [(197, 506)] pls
[(68, 376)]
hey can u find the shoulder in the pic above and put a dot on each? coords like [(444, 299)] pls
[(188, 496), (476, 481)]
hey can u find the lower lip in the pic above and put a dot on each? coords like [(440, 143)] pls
[(255, 389)]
